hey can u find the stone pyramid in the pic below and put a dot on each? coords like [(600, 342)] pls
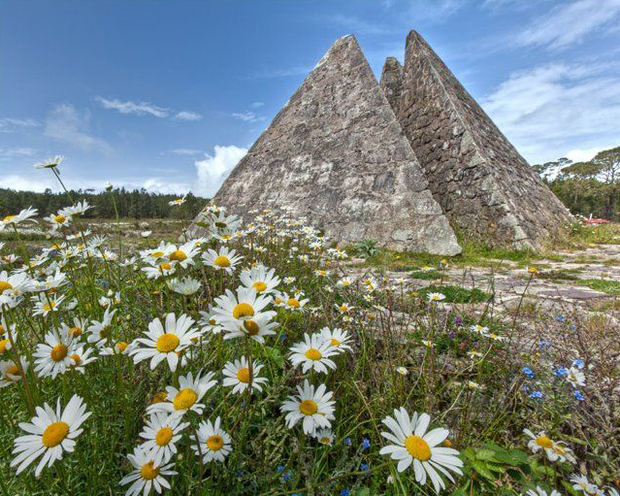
[(337, 154), (485, 187)]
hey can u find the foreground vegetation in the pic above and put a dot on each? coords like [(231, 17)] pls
[(247, 361)]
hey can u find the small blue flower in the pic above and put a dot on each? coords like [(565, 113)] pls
[(345, 492), (560, 318), (366, 443), (528, 372), (544, 344), (347, 441), (280, 468), (536, 395), (579, 363), (526, 388), (572, 327), (458, 321), (364, 467), (560, 371), (578, 396), (287, 476), (297, 494), (282, 337)]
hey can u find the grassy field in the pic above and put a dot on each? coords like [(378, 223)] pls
[(77, 309)]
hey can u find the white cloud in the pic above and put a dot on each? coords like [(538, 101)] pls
[(549, 110), (583, 155), (68, 124), (247, 116), (278, 73), (11, 125), (213, 169), (135, 108), (257, 104), (186, 115), (570, 23)]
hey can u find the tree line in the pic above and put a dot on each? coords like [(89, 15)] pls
[(586, 188), (137, 204)]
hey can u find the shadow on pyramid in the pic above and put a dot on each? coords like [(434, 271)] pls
[(337, 155), (485, 187)]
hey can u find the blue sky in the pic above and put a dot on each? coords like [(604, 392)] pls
[(170, 94)]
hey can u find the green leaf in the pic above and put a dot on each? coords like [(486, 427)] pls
[(481, 468)]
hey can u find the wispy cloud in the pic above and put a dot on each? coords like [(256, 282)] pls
[(185, 151), (257, 104), (248, 116), (11, 153), (186, 115), (135, 108), (570, 23), (129, 107), (11, 125), (547, 110), (70, 125)]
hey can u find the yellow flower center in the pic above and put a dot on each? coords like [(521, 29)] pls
[(11, 370), (49, 306), (9, 218), (222, 261), (313, 354), (167, 342), (215, 442), (165, 266), (251, 327), (343, 308), (242, 310), (308, 407), (3, 345), (54, 434), (259, 286), (178, 255), (157, 254), (148, 471), (59, 352), (75, 332), (324, 440), (4, 286), (159, 397), (121, 346), (185, 399), (418, 448), (544, 442), (163, 436), (60, 219), (243, 374), (334, 342), (293, 302), (77, 359)]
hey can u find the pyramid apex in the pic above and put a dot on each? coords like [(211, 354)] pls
[(414, 37)]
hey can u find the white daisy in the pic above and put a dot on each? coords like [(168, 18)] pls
[(163, 269), (81, 358), (50, 434), (575, 377), (261, 278), (46, 303), (539, 491), (414, 445), (10, 371), (99, 332), (313, 353), (223, 259), (49, 163), (234, 310), (289, 302), (187, 396), (431, 297), (165, 342), (213, 443), (14, 220), (324, 436), (183, 255), (314, 407), (581, 483), (238, 374), (119, 348), (15, 285), (146, 475), (553, 450), (54, 356), (337, 338), (162, 431), (186, 286)]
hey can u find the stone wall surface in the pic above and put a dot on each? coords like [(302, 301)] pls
[(337, 154), (487, 190), (392, 82)]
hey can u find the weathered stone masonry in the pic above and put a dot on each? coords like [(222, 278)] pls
[(487, 190)]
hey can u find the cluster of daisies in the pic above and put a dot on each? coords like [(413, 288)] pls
[(225, 253)]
